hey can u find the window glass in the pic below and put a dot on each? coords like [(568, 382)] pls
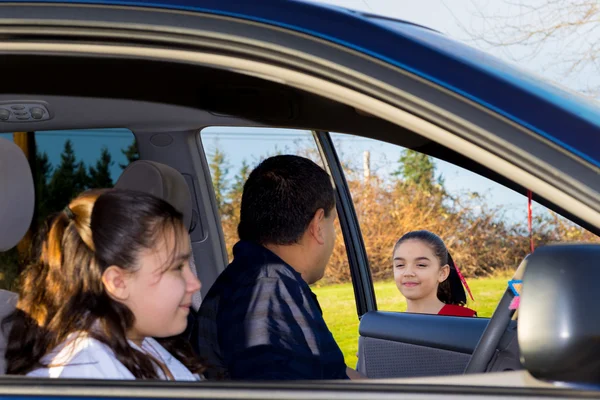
[(483, 224), (65, 164), (232, 153), (395, 191)]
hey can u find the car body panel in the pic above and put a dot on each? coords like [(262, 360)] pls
[(560, 116)]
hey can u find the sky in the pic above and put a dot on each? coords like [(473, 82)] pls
[(459, 19)]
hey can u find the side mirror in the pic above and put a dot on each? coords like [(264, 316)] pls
[(559, 322)]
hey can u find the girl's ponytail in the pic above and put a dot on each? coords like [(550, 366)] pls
[(451, 291)]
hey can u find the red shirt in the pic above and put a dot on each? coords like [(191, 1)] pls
[(457, 311)]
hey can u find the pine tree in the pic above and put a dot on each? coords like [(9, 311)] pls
[(62, 184), (99, 176), (82, 180), (68, 180), (42, 190), (132, 154), (417, 169)]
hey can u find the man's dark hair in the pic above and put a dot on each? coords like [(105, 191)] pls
[(280, 198)]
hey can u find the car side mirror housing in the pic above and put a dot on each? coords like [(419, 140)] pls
[(559, 322)]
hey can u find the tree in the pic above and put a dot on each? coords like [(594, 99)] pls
[(42, 191), (68, 180), (62, 183), (565, 31), (82, 179), (238, 184), (235, 194), (99, 176), (417, 169), (219, 168), (132, 154)]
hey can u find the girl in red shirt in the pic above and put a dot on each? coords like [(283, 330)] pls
[(427, 276)]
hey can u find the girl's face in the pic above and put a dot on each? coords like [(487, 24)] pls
[(161, 289), (417, 271)]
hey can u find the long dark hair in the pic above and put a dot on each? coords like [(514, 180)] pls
[(451, 291), (62, 291)]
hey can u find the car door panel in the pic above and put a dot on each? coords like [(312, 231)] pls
[(393, 345)]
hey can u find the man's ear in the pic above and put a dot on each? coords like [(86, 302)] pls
[(444, 273), (115, 281), (314, 227)]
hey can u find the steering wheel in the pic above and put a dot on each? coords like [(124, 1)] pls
[(488, 343)]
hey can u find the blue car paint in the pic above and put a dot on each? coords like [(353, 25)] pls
[(558, 115)]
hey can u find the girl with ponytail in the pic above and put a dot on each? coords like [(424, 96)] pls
[(108, 294), (427, 276)]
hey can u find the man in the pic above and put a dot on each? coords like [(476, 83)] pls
[(260, 320)]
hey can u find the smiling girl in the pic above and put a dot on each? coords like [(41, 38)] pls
[(427, 276), (109, 293)]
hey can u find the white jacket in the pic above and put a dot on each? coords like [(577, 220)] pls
[(83, 357)]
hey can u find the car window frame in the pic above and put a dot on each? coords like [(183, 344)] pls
[(454, 134), (359, 71)]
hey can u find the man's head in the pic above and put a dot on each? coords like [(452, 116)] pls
[(289, 201)]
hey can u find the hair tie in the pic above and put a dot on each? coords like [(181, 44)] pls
[(69, 213)]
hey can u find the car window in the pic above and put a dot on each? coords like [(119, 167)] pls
[(232, 153), (65, 163), (483, 224)]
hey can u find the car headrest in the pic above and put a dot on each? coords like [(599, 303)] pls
[(17, 199), (161, 181), (8, 302)]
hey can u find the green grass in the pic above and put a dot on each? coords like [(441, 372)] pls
[(339, 309)]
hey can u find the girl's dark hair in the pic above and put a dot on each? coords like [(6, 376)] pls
[(62, 291), (450, 291)]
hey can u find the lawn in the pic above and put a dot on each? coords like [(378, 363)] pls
[(339, 309)]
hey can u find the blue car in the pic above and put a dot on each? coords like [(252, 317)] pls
[(157, 74)]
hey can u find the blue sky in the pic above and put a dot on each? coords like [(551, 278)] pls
[(383, 160)]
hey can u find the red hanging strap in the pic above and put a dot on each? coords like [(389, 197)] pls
[(464, 281), (530, 218)]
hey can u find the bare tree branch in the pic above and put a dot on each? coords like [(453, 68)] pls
[(565, 31)]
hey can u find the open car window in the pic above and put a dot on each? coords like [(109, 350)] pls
[(232, 153), (483, 224)]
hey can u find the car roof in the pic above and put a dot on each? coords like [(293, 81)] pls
[(566, 118)]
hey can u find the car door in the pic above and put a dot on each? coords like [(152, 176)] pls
[(386, 204), (393, 344), (382, 94)]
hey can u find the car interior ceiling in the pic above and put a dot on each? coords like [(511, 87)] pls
[(155, 96)]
